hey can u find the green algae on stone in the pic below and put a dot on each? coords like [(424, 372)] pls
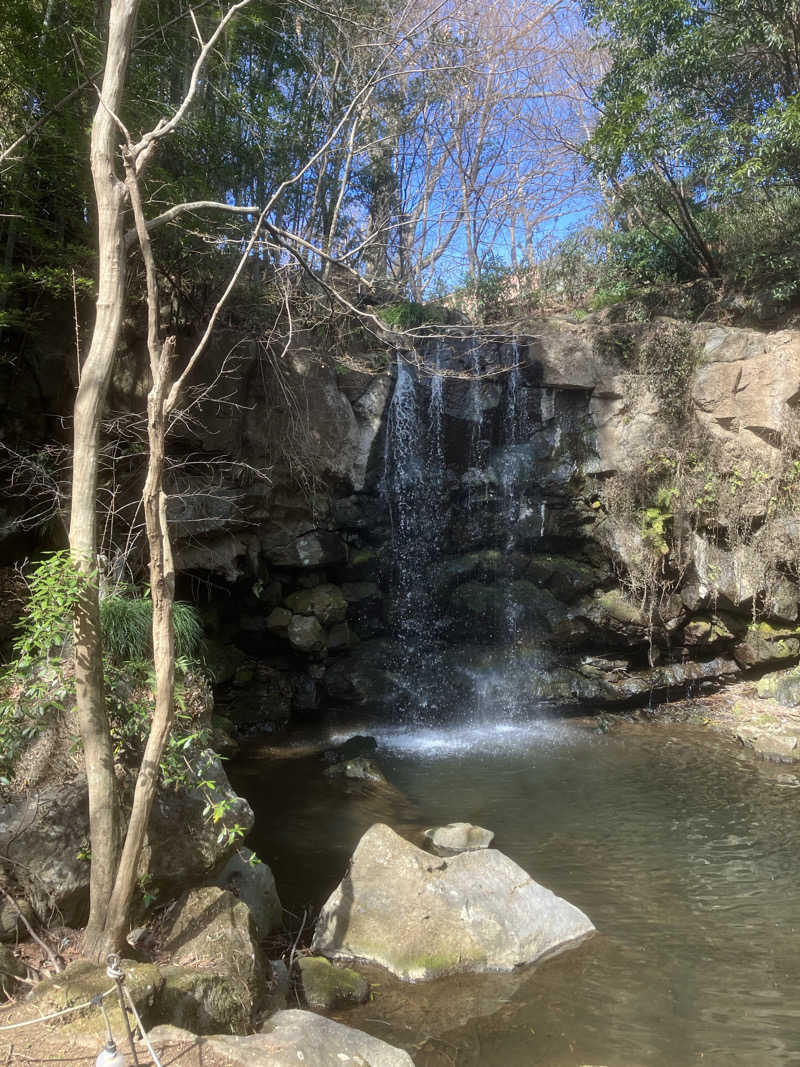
[(325, 986), (205, 1002), (82, 981), (614, 603), (767, 642)]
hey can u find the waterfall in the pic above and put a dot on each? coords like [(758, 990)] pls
[(412, 485), (452, 507), (436, 417)]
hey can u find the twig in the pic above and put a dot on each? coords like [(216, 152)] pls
[(299, 935), (77, 326), (57, 963)]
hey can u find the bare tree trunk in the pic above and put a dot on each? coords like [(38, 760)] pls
[(162, 589), (89, 404)]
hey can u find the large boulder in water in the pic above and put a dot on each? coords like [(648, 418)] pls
[(422, 917), (293, 1037)]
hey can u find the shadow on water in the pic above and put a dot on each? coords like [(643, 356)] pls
[(683, 853)]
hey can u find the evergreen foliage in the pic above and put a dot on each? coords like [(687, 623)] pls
[(698, 140)]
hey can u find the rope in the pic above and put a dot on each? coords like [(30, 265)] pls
[(58, 1014)]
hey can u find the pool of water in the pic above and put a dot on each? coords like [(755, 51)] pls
[(683, 852)]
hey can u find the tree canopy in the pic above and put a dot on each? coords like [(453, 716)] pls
[(698, 132)]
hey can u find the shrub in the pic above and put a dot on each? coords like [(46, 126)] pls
[(667, 360), (38, 684), (127, 624)]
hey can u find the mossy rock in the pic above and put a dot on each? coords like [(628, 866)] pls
[(245, 674), (213, 925), (766, 687), (711, 629), (204, 1002), (767, 643), (616, 606), (364, 565), (325, 602), (477, 599), (782, 687), (521, 599), (82, 981), (222, 661), (488, 563), (278, 621), (787, 689), (306, 634), (771, 631), (324, 986)]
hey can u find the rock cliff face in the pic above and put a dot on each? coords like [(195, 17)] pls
[(593, 513), (589, 514)]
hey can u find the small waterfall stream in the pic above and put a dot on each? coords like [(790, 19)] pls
[(458, 476), (413, 484)]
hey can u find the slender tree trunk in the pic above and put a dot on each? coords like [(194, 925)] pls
[(162, 589), (89, 405)]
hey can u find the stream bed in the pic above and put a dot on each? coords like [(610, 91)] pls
[(682, 850)]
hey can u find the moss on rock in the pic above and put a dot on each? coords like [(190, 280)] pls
[(82, 981), (204, 1002), (325, 986)]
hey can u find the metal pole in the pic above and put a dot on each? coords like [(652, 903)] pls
[(115, 971)]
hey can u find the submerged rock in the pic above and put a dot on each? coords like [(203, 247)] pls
[(781, 746), (360, 768), (422, 918), (458, 837), (357, 745)]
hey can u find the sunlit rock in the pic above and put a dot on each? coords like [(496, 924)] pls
[(421, 916), (324, 986), (458, 837), (293, 1037)]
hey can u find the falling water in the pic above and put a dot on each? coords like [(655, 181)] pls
[(548, 405), (436, 417), (435, 514), (413, 482)]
